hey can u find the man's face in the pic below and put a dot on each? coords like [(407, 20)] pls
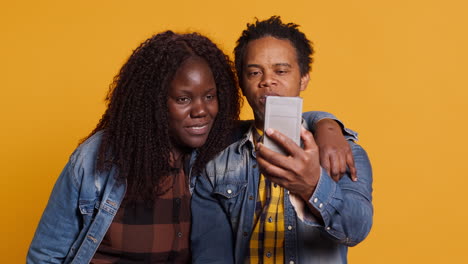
[(270, 68)]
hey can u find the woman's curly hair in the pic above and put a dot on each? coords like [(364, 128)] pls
[(136, 135)]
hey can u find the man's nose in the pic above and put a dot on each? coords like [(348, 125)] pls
[(268, 79), (198, 108)]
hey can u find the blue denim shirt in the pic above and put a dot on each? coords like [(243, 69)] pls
[(223, 207), (81, 208)]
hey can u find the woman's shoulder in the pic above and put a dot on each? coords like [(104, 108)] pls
[(89, 148)]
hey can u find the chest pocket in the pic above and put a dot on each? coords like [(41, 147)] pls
[(88, 209), (231, 196)]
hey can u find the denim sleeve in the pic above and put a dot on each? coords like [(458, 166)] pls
[(313, 117), (346, 207), (211, 235), (60, 222)]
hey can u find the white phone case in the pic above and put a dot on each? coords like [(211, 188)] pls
[(285, 115)]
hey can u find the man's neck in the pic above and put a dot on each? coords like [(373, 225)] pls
[(259, 124)]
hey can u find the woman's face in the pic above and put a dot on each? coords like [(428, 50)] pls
[(192, 103)]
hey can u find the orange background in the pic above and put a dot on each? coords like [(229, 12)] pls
[(392, 70)]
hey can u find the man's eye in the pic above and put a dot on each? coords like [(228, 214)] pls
[(280, 72), (254, 73)]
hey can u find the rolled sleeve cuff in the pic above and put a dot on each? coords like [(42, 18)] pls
[(326, 199)]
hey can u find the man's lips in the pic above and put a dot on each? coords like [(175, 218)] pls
[(262, 99)]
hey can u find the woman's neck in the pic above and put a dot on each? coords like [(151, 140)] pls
[(176, 157)]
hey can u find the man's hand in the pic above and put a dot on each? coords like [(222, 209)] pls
[(335, 152), (300, 171)]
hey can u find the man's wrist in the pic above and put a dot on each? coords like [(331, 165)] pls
[(306, 196)]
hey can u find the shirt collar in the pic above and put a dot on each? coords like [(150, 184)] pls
[(247, 139)]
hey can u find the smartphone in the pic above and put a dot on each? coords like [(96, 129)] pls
[(283, 114)]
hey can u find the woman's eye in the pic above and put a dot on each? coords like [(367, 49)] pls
[(182, 100), (211, 97)]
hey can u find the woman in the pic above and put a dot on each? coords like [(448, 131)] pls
[(124, 196)]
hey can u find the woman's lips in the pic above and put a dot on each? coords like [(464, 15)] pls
[(199, 129)]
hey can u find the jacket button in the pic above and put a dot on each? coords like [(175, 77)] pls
[(229, 191), (289, 227), (291, 262)]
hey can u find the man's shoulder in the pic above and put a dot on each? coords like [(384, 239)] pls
[(230, 158), (241, 130)]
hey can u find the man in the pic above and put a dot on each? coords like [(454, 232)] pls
[(252, 205)]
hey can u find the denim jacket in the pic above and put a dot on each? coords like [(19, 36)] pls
[(223, 207), (81, 208)]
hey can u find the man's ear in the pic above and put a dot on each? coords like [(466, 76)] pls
[(304, 81)]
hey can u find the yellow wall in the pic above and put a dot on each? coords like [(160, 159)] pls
[(393, 70)]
